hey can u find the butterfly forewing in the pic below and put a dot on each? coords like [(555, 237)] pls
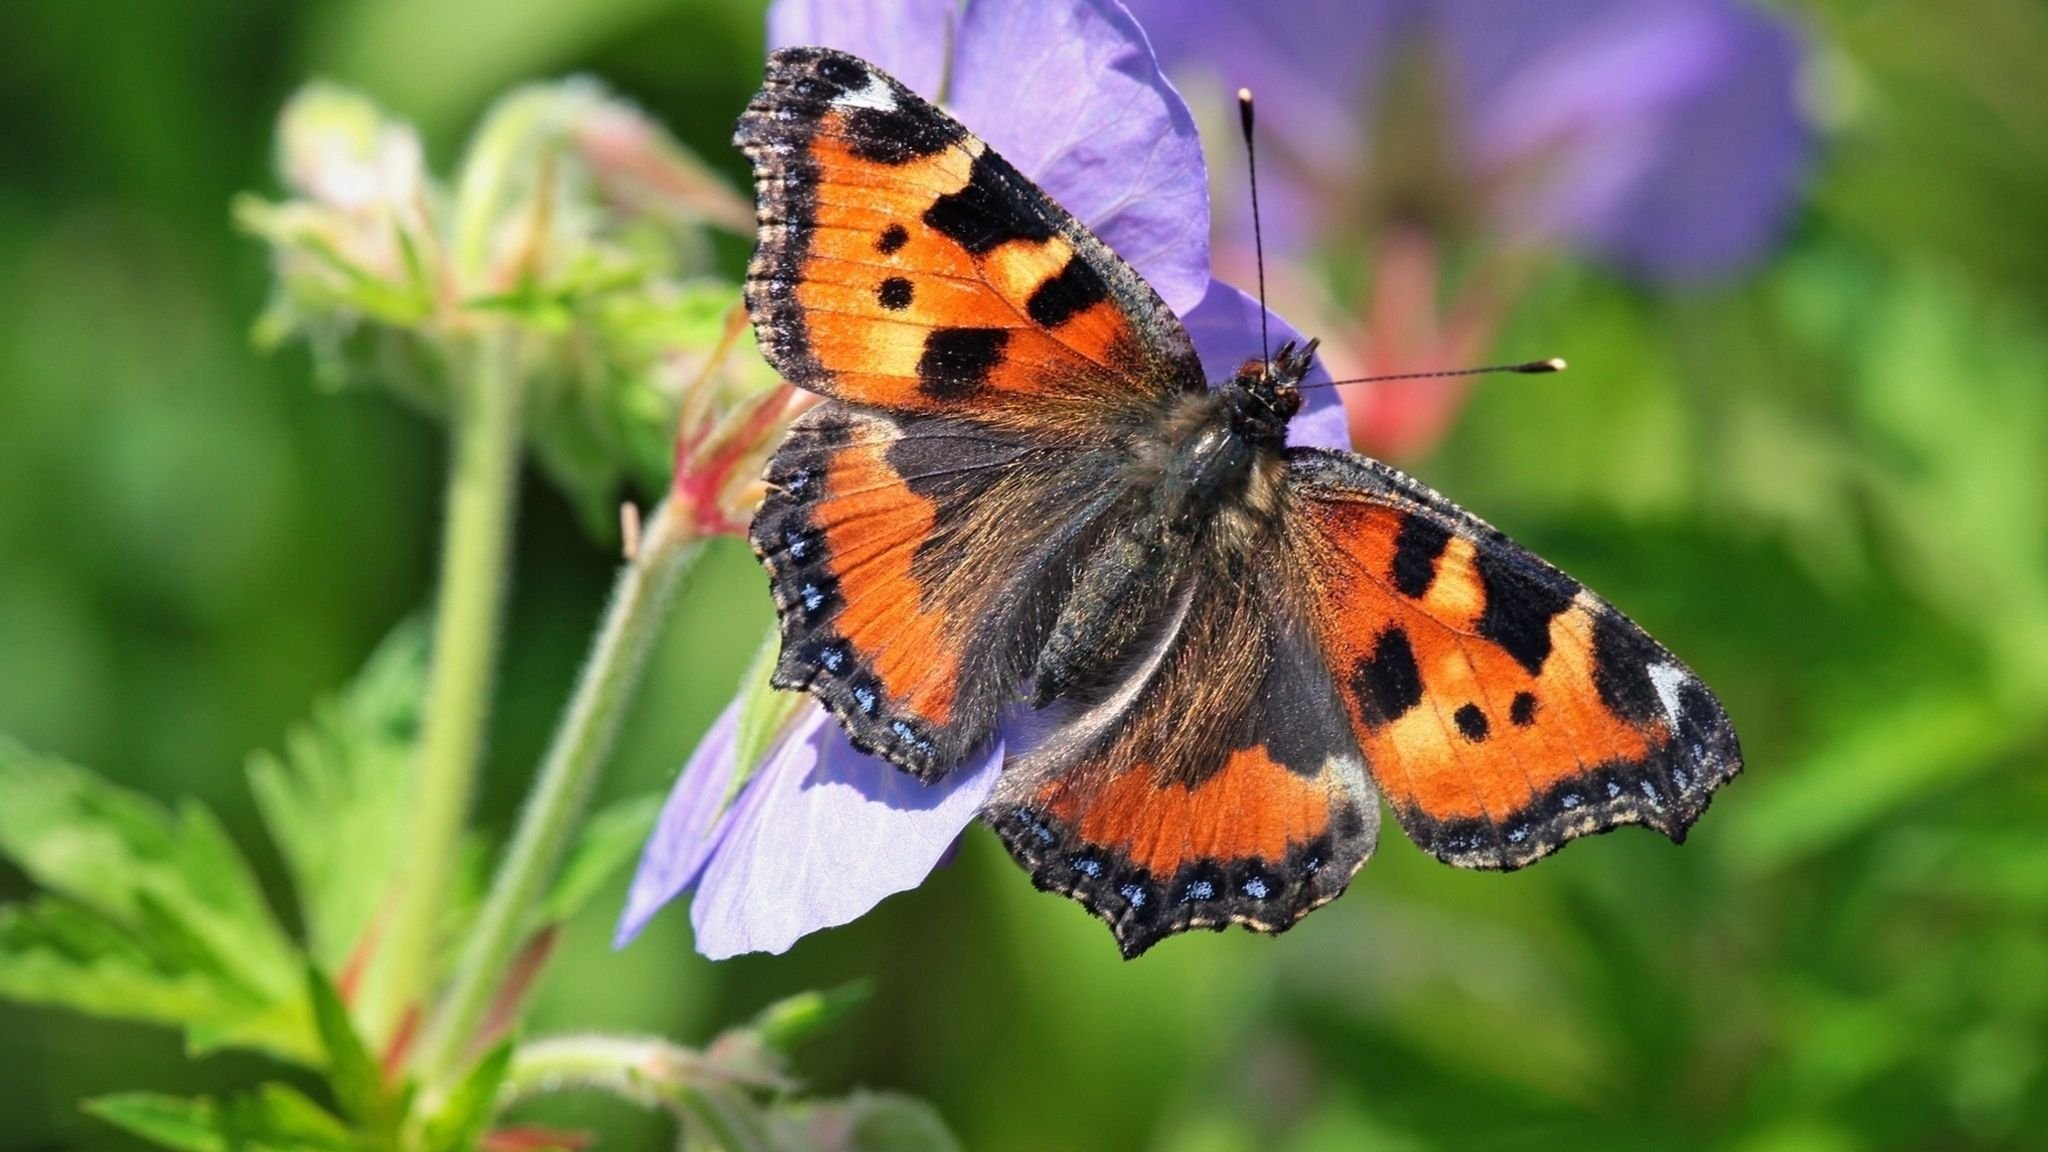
[(904, 264), (1503, 708)]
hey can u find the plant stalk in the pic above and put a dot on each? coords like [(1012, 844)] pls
[(555, 808), (469, 605), (637, 1068)]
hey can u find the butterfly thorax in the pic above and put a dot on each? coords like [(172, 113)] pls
[(1210, 482)]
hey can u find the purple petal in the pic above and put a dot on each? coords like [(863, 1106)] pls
[(1225, 329), (1313, 65), (822, 835), (1665, 133), (1721, 191), (907, 38), (1071, 95), (685, 836)]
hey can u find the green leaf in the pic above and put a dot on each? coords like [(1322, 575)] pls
[(58, 953), (145, 903), (863, 1122), (275, 1118), (352, 1071), (793, 1019), (283, 1115), (335, 801), (458, 1126), (169, 1121), (610, 840)]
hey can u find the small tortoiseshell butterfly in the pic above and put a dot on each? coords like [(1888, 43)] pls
[(1022, 488)]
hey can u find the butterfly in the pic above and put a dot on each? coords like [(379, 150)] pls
[(1023, 498)]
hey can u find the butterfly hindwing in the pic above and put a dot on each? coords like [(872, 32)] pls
[(904, 264), (1503, 708), (909, 558), (1215, 783)]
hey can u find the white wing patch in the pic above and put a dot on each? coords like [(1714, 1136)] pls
[(876, 96), (1668, 679)]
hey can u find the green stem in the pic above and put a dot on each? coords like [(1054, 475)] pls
[(637, 1068), (481, 497), (555, 808)]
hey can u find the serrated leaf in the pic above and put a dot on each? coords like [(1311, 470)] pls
[(334, 803), (352, 1072), (863, 1122), (220, 902), (62, 955), (462, 1121), (167, 1121), (157, 917), (280, 1119), (610, 840), (275, 1118), (120, 854)]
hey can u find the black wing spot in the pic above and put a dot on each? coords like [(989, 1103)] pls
[(843, 71), (1074, 290), (987, 212), (893, 237), (1520, 605), (894, 293), (1523, 710), (1471, 722), (1417, 546), (1387, 683), (898, 135), (1622, 656), (957, 361)]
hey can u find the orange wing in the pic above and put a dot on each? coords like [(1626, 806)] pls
[(1216, 783), (908, 556), (904, 265), (1503, 708)]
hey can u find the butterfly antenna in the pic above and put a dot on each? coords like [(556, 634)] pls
[(1251, 158), (1526, 368)]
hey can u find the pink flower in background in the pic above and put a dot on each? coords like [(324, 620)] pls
[(1070, 94)]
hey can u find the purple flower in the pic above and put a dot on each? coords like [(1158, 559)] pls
[(1662, 137), (1069, 92)]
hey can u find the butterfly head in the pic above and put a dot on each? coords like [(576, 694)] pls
[(1265, 394)]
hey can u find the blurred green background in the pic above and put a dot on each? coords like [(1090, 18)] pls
[(1826, 485)]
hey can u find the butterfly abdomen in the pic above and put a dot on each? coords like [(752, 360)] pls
[(1121, 590), (1207, 485)]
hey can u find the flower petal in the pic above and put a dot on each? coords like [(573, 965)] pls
[(908, 38), (688, 830), (1664, 135), (1071, 95), (822, 834), (1313, 64), (1671, 127), (1225, 329)]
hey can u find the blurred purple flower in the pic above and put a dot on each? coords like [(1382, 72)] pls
[(1663, 135), (1070, 94), (1660, 136)]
